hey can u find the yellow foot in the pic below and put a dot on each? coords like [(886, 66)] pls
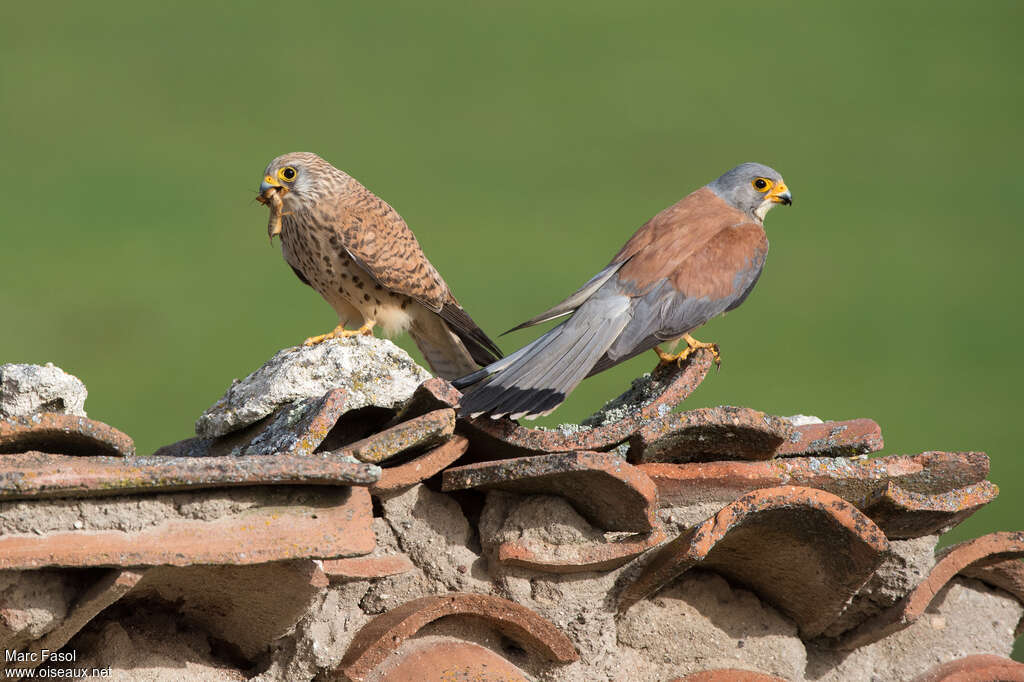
[(692, 345), (340, 332)]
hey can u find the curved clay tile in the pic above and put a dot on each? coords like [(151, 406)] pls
[(395, 478), (834, 439), (385, 633), (729, 675), (611, 493), (428, 429), (577, 558), (977, 668), (852, 479), (1006, 574), (63, 434), (903, 514), (805, 551), (710, 433), (953, 560), (668, 386), (446, 658), (39, 475), (366, 567)]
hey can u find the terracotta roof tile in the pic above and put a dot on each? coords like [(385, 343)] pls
[(63, 433), (669, 386), (40, 475), (395, 478), (852, 479), (577, 558), (611, 493), (113, 585), (250, 537), (382, 635), (805, 551), (986, 549), (977, 668), (423, 431), (446, 658), (432, 394), (834, 439), (729, 675), (367, 567), (904, 514), (709, 434)]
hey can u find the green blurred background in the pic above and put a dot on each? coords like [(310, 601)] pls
[(524, 142)]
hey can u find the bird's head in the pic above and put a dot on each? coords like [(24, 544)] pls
[(295, 182), (752, 188)]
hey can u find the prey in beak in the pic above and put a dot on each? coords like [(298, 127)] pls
[(270, 194), (779, 194)]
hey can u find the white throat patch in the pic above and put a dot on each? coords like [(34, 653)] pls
[(762, 210)]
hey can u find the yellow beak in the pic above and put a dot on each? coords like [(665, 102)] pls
[(780, 194)]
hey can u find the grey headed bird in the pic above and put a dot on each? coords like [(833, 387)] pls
[(693, 261), (358, 253)]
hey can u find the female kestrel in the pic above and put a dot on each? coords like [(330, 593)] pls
[(358, 253), (693, 261)]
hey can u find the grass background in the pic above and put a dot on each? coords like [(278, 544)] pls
[(524, 142)]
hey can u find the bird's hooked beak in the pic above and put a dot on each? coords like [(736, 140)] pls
[(269, 185), (779, 194)]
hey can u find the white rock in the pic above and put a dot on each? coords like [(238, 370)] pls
[(373, 371), (803, 420), (32, 389)]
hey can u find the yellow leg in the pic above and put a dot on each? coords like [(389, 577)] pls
[(692, 345), (340, 332)]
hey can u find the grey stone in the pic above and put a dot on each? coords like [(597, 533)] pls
[(32, 389), (373, 372)]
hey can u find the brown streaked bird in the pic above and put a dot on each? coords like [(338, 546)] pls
[(358, 253), (693, 261)]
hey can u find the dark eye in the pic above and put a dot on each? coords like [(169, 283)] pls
[(761, 184), (287, 173)]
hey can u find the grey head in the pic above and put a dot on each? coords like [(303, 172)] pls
[(302, 179), (752, 188)]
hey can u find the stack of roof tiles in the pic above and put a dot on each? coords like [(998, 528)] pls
[(406, 544)]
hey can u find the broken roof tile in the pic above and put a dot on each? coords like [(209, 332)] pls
[(40, 475), (64, 434), (805, 551), (976, 668), (385, 633), (446, 658), (423, 431), (367, 567), (611, 493), (834, 439), (711, 433), (432, 394), (728, 675), (903, 514), (852, 479), (339, 527), (953, 560), (577, 558), (293, 429), (652, 396), (424, 466)]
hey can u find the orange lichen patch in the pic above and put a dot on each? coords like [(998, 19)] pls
[(852, 479), (611, 493), (423, 431), (375, 642), (710, 433), (446, 658), (805, 551), (38, 475), (63, 433), (977, 668), (249, 537), (367, 567), (550, 558), (834, 439), (101, 594), (728, 675), (985, 550), (669, 386), (904, 514), (395, 478)]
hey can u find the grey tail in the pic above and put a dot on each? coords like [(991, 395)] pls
[(537, 378)]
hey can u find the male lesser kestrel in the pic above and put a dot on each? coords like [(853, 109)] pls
[(693, 261), (358, 253)]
